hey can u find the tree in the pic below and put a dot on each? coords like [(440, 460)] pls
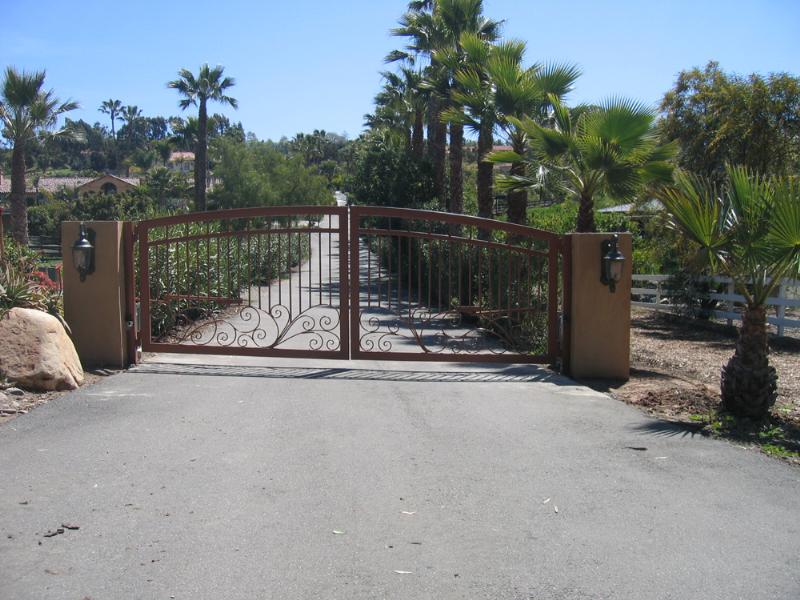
[(433, 29), (209, 84), (748, 229), (721, 118), (27, 112), (612, 148), (112, 108)]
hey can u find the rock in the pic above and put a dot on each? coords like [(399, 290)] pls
[(14, 391), (3, 398), (36, 352)]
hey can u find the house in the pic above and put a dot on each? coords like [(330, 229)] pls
[(181, 162), (82, 185), (107, 184)]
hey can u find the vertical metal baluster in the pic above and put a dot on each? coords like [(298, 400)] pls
[(480, 276), (289, 269), (399, 273), (229, 280), (259, 270), (449, 299), (369, 271), (208, 258), (438, 246), (510, 258), (319, 263), (419, 272), (249, 266), (299, 270), (430, 274), (389, 269), (330, 258), (169, 262), (310, 258), (380, 269), (270, 265), (278, 271), (459, 271), (408, 291), (188, 259)]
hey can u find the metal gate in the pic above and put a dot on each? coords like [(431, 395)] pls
[(360, 282)]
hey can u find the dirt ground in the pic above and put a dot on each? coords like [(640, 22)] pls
[(675, 375)]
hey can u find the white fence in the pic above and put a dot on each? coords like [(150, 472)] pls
[(655, 298)]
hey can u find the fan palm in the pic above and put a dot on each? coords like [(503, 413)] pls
[(612, 148), (26, 112), (750, 231), (526, 93), (209, 84), (112, 108)]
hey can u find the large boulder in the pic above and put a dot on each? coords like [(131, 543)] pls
[(36, 352)]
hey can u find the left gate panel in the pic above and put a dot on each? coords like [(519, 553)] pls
[(258, 282)]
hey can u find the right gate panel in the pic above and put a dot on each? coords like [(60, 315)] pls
[(434, 286)]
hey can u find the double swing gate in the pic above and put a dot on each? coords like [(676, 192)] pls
[(358, 282)]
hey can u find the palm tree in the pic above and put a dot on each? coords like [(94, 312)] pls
[(209, 84), (750, 231), (612, 148), (130, 115), (525, 93), (433, 29), (458, 17), (112, 108), (476, 95), (27, 111)]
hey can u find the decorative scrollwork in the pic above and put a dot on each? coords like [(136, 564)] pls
[(449, 332), (316, 328)]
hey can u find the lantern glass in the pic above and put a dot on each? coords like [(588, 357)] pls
[(82, 254), (612, 263)]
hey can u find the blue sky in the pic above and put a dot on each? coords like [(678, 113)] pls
[(315, 63)]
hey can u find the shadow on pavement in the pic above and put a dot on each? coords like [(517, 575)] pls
[(514, 373)]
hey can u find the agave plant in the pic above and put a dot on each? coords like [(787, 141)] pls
[(749, 230)]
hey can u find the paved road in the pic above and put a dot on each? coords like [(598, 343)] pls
[(220, 486)]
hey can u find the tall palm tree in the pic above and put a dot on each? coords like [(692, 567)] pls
[(112, 108), (433, 29), (458, 17), (209, 84), (612, 148), (476, 95), (27, 111), (750, 231)]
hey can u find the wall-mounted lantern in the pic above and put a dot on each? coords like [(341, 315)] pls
[(83, 254), (612, 262)]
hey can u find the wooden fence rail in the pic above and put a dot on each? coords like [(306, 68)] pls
[(650, 293)]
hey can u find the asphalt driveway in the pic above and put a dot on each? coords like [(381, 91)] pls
[(349, 482)]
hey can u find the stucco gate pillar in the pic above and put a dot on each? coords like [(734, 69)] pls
[(95, 309), (600, 320)]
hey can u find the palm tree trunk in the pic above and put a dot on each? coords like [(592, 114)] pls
[(439, 161), (585, 222), (417, 138), (749, 383), (485, 171), (431, 115), (201, 159), (518, 201), (19, 207), (456, 204)]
